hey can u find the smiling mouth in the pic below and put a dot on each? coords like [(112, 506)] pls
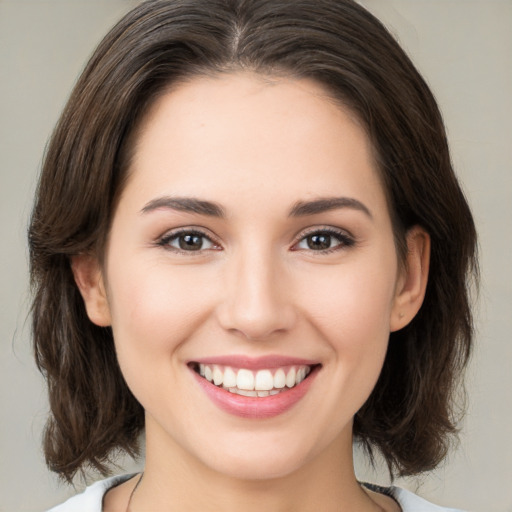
[(257, 383)]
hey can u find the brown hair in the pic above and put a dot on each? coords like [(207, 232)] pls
[(410, 413)]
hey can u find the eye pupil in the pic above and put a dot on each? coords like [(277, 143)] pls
[(319, 241), (191, 242)]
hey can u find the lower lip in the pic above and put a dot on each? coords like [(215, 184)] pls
[(256, 407)]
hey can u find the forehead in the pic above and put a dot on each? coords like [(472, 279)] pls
[(247, 134)]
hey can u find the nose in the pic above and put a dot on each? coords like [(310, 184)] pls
[(257, 299)]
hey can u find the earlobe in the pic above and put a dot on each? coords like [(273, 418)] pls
[(89, 279), (412, 283)]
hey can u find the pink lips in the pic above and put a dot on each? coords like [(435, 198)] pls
[(256, 407)]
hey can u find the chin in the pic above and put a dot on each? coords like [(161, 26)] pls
[(256, 467), (258, 456)]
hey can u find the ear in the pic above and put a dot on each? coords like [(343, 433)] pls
[(89, 279), (412, 281)]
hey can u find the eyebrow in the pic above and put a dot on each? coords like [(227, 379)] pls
[(212, 209), (325, 204), (185, 204)]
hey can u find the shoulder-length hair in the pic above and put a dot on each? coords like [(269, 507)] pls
[(410, 414)]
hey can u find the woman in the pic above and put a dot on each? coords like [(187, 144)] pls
[(248, 241)]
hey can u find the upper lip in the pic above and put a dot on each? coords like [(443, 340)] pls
[(255, 363)]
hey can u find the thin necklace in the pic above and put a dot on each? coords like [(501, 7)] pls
[(133, 492), (140, 480)]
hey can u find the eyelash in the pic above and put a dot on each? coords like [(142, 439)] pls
[(165, 241), (345, 240)]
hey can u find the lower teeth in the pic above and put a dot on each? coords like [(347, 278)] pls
[(253, 393)]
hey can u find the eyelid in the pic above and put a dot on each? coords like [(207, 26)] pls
[(169, 235), (346, 238)]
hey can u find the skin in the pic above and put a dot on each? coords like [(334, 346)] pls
[(255, 146)]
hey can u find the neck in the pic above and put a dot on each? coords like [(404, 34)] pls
[(176, 480)]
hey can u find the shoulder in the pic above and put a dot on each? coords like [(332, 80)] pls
[(408, 501), (412, 503), (91, 499)]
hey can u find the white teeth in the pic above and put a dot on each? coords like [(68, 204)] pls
[(229, 378), (301, 374), (218, 375), (279, 379), (248, 383), (290, 378), (264, 380), (244, 392), (245, 380)]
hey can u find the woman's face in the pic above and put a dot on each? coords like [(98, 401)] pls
[(252, 244)]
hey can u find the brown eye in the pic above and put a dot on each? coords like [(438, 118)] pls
[(190, 242), (324, 241), (319, 242), (187, 241)]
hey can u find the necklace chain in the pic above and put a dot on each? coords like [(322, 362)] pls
[(133, 492), (140, 480)]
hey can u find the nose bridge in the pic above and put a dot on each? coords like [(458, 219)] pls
[(256, 302)]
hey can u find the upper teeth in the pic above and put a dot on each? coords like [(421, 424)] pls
[(263, 381)]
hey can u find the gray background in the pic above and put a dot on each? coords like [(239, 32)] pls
[(463, 47)]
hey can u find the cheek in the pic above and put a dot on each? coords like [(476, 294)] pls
[(351, 309), (352, 306), (154, 308)]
